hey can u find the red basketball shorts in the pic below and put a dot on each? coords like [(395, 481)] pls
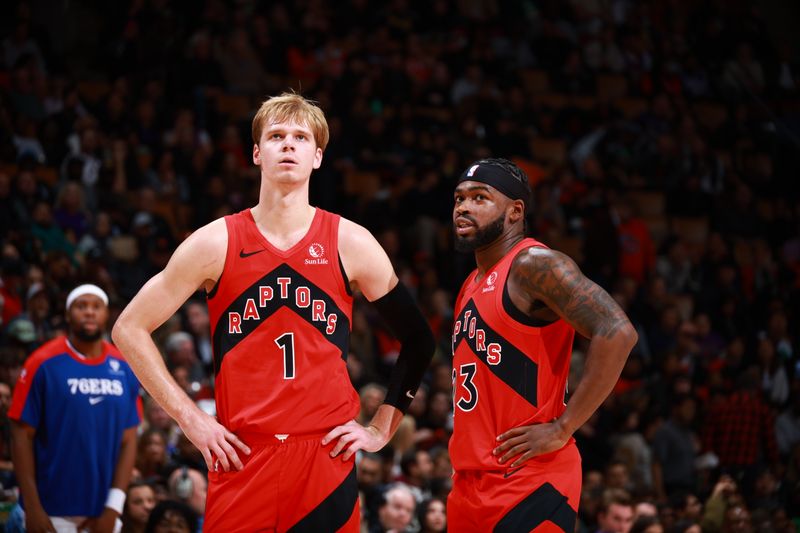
[(294, 485), (540, 496)]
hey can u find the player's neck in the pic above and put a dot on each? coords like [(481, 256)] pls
[(282, 207), (488, 256), (283, 219), (87, 349)]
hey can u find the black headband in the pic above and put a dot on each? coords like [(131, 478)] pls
[(498, 178)]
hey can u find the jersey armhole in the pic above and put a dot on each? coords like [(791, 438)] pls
[(213, 292), (345, 279), (515, 313), (334, 236)]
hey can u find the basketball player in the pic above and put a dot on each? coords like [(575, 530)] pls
[(278, 280), (516, 464), (74, 416)]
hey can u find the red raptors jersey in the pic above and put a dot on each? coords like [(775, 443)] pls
[(506, 371), (280, 324)]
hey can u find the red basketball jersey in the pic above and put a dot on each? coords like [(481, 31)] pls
[(506, 372), (280, 324)]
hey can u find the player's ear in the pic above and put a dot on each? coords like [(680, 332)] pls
[(317, 158), (256, 155), (516, 211)]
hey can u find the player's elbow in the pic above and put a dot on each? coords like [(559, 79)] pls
[(629, 337), (120, 330)]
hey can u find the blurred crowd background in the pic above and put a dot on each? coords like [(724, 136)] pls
[(662, 140)]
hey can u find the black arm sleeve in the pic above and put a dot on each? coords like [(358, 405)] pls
[(401, 314)]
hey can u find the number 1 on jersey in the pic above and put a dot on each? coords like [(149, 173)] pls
[(286, 343)]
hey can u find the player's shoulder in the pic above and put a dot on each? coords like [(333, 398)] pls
[(539, 258), (354, 235), (47, 352), (50, 349)]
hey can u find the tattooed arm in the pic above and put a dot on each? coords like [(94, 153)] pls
[(547, 284)]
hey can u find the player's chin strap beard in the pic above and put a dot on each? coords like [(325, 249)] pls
[(85, 336), (483, 236)]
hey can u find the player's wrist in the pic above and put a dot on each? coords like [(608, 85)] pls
[(564, 431), (379, 433), (115, 501), (188, 415)]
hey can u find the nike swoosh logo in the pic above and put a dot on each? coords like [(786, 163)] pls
[(96, 400), (244, 254), (408, 393), (509, 472)]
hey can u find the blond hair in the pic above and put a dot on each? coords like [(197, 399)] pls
[(291, 107)]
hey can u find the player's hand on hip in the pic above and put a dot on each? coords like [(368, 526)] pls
[(524, 442), (353, 437), (217, 444), (37, 521)]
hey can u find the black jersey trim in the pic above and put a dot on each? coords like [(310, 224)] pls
[(514, 312), (224, 342), (334, 511), (545, 504), (515, 369), (345, 279), (215, 288)]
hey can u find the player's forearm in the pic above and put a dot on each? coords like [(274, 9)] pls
[(406, 321), (604, 362), (24, 465), (144, 358), (127, 457)]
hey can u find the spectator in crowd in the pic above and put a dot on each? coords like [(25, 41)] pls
[(646, 524), (199, 327), (169, 516), (369, 472), (417, 470), (616, 512), (371, 396), (432, 516), (156, 418), (774, 380), (396, 512), (189, 486), (741, 430), (722, 505), (181, 353), (787, 424), (37, 312), (152, 460), (140, 500), (675, 449)]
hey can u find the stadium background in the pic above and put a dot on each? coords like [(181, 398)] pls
[(661, 138)]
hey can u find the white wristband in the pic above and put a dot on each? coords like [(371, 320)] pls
[(116, 499)]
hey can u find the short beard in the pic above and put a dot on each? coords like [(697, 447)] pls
[(83, 335), (483, 236)]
